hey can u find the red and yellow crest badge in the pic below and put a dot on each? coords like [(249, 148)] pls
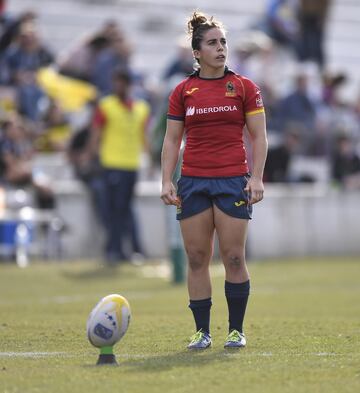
[(230, 89)]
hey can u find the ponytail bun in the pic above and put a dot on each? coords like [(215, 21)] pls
[(198, 24), (197, 19)]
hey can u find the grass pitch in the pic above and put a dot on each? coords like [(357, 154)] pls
[(302, 325)]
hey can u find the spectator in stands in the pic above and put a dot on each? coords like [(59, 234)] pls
[(11, 26), (312, 17), (117, 55), (183, 62), (330, 86), (56, 130), (2, 10), (16, 152), (79, 60), (273, 109), (119, 136), (281, 22), (345, 164), (299, 108), (279, 157), (87, 169), (253, 56), (335, 113), (22, 60)]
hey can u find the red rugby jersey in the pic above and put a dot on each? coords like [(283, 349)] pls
[(213, 111)]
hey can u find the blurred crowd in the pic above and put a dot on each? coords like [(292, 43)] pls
[(48, 100)]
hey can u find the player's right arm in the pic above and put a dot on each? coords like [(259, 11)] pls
[(169, 159)]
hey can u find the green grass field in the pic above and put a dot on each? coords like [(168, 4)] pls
[(302, 325)]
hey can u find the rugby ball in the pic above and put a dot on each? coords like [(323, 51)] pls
[(108, 321)]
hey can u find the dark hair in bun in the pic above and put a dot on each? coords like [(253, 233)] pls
[(198, 25)]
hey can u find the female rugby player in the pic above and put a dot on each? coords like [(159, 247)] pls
[(215, 191)]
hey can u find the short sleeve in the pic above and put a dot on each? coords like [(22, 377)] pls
[(176, 109), (253, 100)]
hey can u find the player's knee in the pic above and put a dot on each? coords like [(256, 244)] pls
[(197, 259), (234, 261)]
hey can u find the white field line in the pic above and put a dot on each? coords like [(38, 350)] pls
[(32, 354), (72, 298), (135, 356)]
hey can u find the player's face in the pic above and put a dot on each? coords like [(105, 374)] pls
[(213, 50), (121, 87)]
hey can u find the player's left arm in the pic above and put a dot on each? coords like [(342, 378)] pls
[(256, 126)]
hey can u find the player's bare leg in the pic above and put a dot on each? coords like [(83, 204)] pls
[(198, 235), (232, 234)]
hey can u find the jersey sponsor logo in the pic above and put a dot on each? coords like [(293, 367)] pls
[(193, 90), (191, 110), (230, 89)]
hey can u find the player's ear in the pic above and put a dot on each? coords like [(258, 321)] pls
[(196, 54)]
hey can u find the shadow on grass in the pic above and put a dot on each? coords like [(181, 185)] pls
[(154, 364), (178, 359)]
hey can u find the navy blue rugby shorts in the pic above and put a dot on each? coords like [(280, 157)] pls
[(200, 193)]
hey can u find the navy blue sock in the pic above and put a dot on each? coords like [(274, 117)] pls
[(201, 312), (237, 296)]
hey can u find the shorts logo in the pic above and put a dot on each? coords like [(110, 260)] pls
[(193, 90), (178, 206), (230, 90), (240, 203)]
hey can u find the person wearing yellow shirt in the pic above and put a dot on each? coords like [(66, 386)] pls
[(119, 137)]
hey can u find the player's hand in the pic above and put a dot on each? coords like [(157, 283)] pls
[(168, 194), (255, 190)]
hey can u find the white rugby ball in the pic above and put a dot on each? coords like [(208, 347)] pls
[(108, 321)]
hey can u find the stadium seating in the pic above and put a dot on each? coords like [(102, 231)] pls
[(153, 35)]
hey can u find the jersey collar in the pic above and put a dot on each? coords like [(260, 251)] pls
[(226, 71)]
